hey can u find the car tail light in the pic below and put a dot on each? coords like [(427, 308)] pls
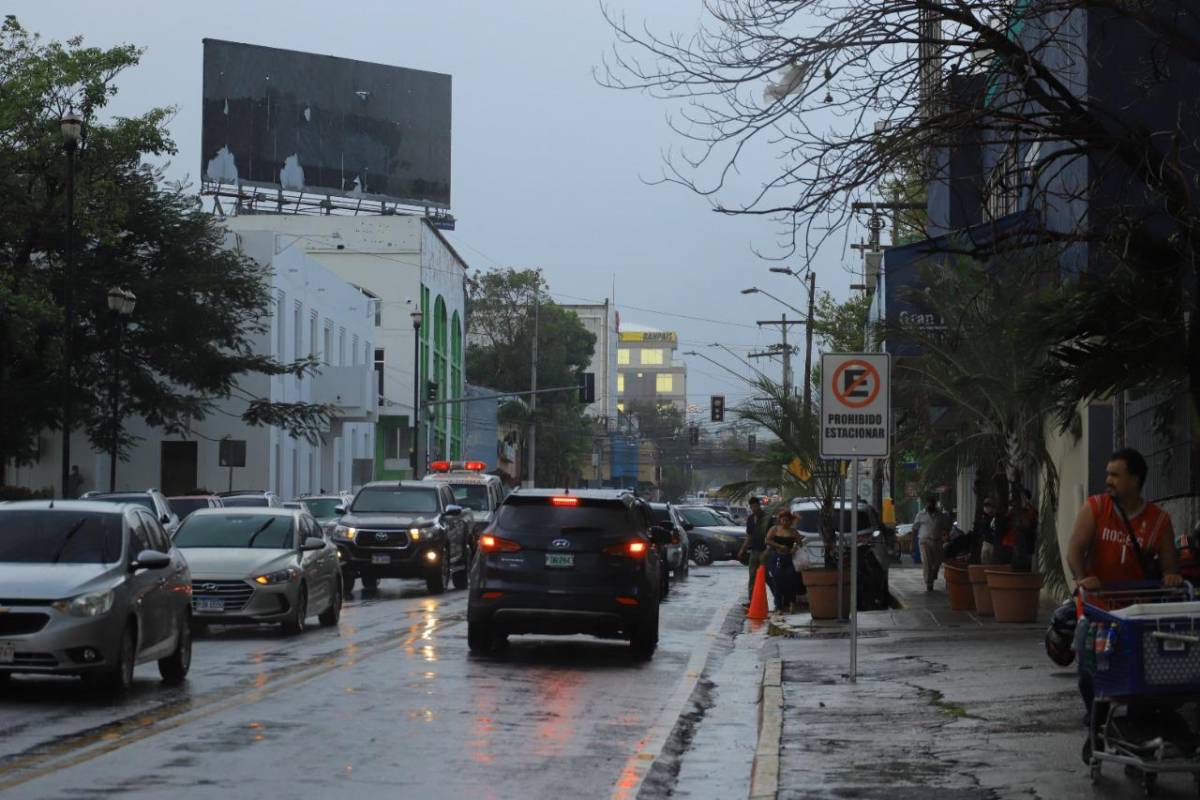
[(494, 544), (627, 601), (565, 501), (634, 549)]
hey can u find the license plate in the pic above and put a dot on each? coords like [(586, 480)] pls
[(210, 604), (380, 558), (560, 559), (8, 652)]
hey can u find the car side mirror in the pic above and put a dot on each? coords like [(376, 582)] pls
[(339, 510), (687, 526), (453, 511), (151, 559), (313, 543), (164, 519), (660, 535)]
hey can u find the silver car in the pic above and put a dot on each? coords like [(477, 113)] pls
[(253, 565), (91, 589)]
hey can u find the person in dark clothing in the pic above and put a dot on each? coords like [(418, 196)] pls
[(756, 542), (782, 541)]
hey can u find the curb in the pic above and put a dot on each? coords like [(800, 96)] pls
[(764, 776)]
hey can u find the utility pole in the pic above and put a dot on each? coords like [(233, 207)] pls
[(782, 349), (808, 337), (533, 388)]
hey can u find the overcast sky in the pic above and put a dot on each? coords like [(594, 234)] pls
[(548, 166)]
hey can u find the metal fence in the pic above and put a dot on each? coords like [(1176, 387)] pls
[(1159, 425)]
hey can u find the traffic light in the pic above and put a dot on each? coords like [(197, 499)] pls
[(587, 387), (751, 443), (694, 435), (431, 391), (717, 407)]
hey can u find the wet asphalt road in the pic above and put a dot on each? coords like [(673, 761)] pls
[(388, 704)]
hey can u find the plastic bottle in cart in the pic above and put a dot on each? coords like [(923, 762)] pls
[(1089, 648), (1110, 642), (1098, 647)]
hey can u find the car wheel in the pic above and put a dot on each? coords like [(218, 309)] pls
[(370, 584), (330, 616), (437, 582), (294, 625), (174, 668), (644, 640), (684, 567), (460, 576), (479, 637), (664, 583), (348, 582), (119, 677), (702, 555)]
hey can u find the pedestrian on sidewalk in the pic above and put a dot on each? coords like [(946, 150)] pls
[(782, 541), (1119, 537), (753, 548), (931, 525), (985, 529)]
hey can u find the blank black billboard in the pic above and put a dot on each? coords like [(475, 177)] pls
[(313, 123)]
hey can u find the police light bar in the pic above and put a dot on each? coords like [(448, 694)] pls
[(439, 466), (457, 466), (476, 466)]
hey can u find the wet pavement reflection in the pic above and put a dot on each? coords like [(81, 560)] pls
[(389, 700)]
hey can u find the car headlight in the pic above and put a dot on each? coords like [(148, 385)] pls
[(87, 605), (282, 576), (343, 532), (417, 534)]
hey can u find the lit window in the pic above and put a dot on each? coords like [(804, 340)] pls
[(620, 382), (621, 407), (664, 383), (653, 356), (622, 355)]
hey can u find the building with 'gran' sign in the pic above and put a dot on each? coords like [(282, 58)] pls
[(647, 371)]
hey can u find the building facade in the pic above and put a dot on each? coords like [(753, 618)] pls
[(601, 321), (647, 371), (403, 263)]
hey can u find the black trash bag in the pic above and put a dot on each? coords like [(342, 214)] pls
[(1060, 635)]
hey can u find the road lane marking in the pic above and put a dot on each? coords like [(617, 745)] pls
[(650, 746), (113, 736)]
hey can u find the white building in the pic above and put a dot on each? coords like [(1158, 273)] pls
[(403, 262), (315, 312), (601, 321)]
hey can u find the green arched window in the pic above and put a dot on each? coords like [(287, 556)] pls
[(440, 360), (456, 386)]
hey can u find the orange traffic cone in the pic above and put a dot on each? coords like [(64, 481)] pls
[(758, 603)]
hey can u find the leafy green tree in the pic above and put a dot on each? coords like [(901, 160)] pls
[(200, 307), (501, 329)]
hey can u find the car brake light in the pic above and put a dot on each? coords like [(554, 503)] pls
[(633, 549), (627, 601), (494, 544), (565, 501)]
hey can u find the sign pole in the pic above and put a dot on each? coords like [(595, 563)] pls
[(854, 576)]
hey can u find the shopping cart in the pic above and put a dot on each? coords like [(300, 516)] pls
[(1140, 643)]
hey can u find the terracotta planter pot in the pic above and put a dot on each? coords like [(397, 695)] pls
[(958, 585), (983, 595), (821, 585), (1014, 594)]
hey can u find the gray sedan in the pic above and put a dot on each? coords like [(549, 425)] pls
[(255, 565), (90, 589)]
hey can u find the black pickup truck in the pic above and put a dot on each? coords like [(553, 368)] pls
[(404, 529)]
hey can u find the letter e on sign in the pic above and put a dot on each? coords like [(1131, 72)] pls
[(856, 408)]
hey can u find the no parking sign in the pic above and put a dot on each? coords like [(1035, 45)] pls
[(856, 409)]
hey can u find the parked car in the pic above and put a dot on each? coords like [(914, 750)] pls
[(323, 508), (808, 523), (678, 554), (260, 565), (151, 499), (250, 498), (186, 504), (561, 564), (404, 529), (479, 493), (710, 537), (91, 589)]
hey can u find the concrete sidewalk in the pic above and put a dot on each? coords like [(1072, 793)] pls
[(947, 705)]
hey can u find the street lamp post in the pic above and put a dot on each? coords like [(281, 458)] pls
[(72, 133), (811, 281), (120, 303), (417, 316)]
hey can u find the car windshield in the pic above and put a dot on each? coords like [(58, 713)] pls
[(246, 501), (45, 536), (395, 500), (701, 517), (186, 505), (323, 508), (260, 531), (143, 500), (471, 496), (544, 517)]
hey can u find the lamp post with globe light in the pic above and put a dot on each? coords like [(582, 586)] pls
[(417, 317), (120, 303), (72, 133)]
